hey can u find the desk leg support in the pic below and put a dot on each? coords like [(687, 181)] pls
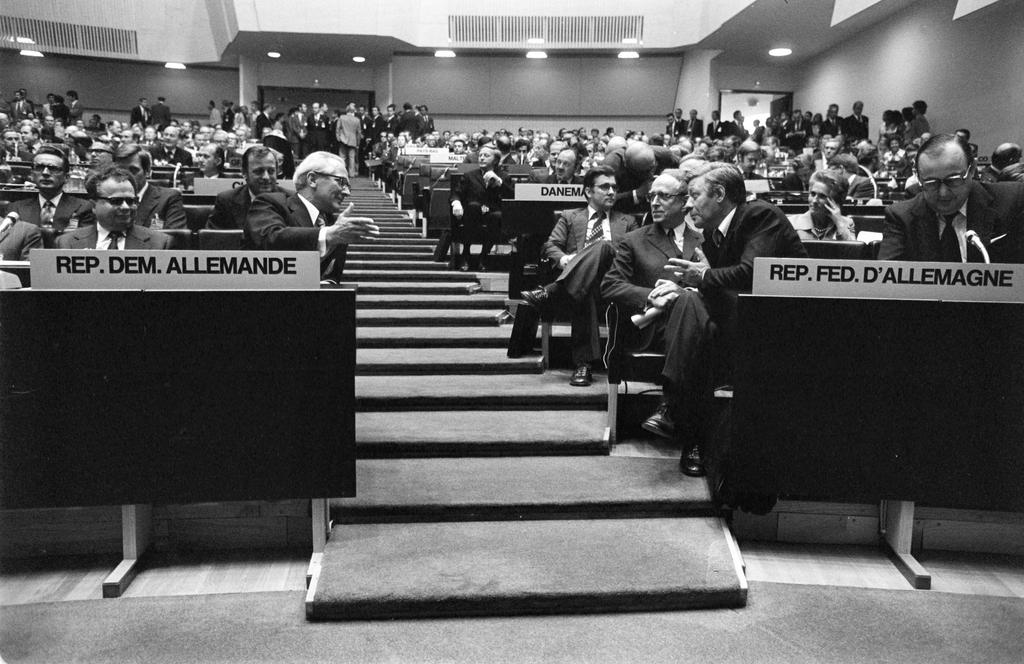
[(899, 532), (321, 531), (136, 534)]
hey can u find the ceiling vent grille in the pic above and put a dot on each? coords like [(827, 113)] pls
[(517, 31), (54, 37)]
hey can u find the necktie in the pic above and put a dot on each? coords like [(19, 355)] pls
[(113, 237), (320, 221), (717, 237), (950, 245), (597, 232), (46, 214)]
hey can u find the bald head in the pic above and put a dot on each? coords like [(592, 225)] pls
[(1005, 155), (615, 142), (640, 158)]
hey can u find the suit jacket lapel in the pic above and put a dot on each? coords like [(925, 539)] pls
[(146, 206), (299, 212), (981, 217), (135, 240), (579, 228), (660, 240), (927, 229), (86, 237)]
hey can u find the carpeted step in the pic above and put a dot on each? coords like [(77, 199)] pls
[(477, 301), (392, 248), (403, 241), (431, 337), (474, 433), (429, 317), (418, 275), (425, 256), (528, 487), (412, 287), (442, 361), (548, 391), (407, 570), (398, 265)]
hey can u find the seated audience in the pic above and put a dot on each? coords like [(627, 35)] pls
[(313, 219), (749, 156), (934, 224), (824, 219), (476, 208), (18, 238), (582, 246), (210, 160), (860, 185), (112, 191)]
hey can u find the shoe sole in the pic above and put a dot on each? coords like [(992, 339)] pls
[(661, 433)]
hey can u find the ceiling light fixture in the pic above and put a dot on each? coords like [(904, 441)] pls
[(24, 40), (358, 58), (536, 55), (174, 65), (444, 54), (628, 55), (780, 52), (630, 40), (273, 54), (32, 54), (535, 40)]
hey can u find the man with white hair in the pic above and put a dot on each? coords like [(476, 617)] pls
[(313, 219)]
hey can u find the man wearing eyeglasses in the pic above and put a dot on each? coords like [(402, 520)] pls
[(51, 207), (936, 224), (112, 191), (314, 219), (695, 279)]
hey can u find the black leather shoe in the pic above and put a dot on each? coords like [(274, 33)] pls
[(582, 377), (538, 297), (463, 267), (660, 424), (692, 463)]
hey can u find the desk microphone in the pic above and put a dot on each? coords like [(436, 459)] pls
[(973, 238), (8, 221)]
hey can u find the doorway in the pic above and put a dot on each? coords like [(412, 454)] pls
[(754, 105)]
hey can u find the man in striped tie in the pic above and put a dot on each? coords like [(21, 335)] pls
[(582, 247)]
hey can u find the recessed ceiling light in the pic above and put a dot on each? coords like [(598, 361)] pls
[(628, 55), (780, 52), (536, 55), (358, 58), (273, 54), (32, 54), (444, 54), (24, 40), (535, 40), (630, 40), (174, 65)]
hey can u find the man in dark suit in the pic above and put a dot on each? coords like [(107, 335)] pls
[(169, 151), (794, 132), (17, 238), (314, 219), (1003, 167), (715, 129), (694, 128), (74, 107), (13, 149), (427, 121), (696, 288), (635, 167), (112, 191), (141, 114), (582, 246), (855, 126), (52, 207), (934, 225), (476, 207), (564, 171), (677, 125), (410, 121), (21, 107), (159, 207), (259, 167), (160, 116), (832, 125), (318, 128)]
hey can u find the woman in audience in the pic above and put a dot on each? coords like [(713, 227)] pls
[(824, 219)]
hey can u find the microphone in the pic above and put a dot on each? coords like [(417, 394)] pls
[(973, 238), (8, 221)]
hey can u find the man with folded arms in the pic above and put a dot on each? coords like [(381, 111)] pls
[(953, 213), (313, 219), (112, 191), (695, 279), (582, 245)]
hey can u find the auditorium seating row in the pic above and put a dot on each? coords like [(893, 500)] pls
[(205, 239)]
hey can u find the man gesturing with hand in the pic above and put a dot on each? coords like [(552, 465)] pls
[(313, 219)]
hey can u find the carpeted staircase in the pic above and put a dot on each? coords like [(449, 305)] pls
[(484, 484)]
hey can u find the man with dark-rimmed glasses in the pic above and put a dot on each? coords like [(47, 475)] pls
[(937, 224), (51, 207)]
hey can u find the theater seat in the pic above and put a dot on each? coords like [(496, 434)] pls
[(219, 240), (181, 238), (837, 249), (196, 216)]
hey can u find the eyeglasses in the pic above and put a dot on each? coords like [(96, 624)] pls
[(952, 182), (118, 201), (663, 196), (42, 168), (340, 179)]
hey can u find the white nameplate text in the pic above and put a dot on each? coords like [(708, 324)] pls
[(559, 193)]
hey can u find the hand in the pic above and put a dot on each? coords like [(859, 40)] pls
[(688, 273), (346, 229), (663, 293), (491, 179), (564, 260), (457, 210)]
